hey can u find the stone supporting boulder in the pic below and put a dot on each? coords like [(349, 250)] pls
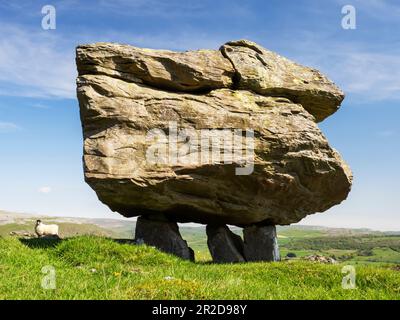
[(224, 245), (260, 243), (164, 235)]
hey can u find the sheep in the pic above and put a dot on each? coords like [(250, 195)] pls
[(43, 230)]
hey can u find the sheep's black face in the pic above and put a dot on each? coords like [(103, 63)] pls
[(38, 222)]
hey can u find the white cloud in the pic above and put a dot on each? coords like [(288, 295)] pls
[(35, 63), (41, 64), (360, 70), (44, 190), (373, 75), (38, 63), (162, 9), (6, 127)]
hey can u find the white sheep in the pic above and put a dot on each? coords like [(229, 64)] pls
[(43, 230)]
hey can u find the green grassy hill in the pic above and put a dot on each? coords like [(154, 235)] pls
[(91, 267), (353, 246)]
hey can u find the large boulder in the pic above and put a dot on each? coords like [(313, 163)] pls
[(158, 126)]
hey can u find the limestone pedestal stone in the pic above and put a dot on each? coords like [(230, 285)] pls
[(164, 235), (224, 245), (260, 243)]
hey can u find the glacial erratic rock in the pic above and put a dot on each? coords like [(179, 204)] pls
[(125, 93)]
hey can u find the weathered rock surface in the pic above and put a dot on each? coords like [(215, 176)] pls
[(163, 235), (270, 74), (260, 243), (224, 245), (184, 71), (125, 92)]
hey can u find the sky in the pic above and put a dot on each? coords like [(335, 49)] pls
[(40, 132)]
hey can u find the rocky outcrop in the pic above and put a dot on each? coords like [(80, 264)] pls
[(217, 137), (224, 245)]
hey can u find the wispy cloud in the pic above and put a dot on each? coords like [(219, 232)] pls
[(44, 190), (7, 127), (35, 63), (162, 9), (151, 7), (356, 67), (375, 76), (39, 63)]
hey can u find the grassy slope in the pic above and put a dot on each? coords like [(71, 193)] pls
[(126, 271), (67, 229), (356, 246), (349, 245)]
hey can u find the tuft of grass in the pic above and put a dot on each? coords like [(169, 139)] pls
[(92, 267)]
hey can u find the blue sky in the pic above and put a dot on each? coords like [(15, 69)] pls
[(40, 134)]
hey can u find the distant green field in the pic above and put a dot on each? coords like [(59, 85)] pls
[(91, 267), (357, 248), (365, 248)]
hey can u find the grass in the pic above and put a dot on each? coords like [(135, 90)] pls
[(92, 267), (346, 245)]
